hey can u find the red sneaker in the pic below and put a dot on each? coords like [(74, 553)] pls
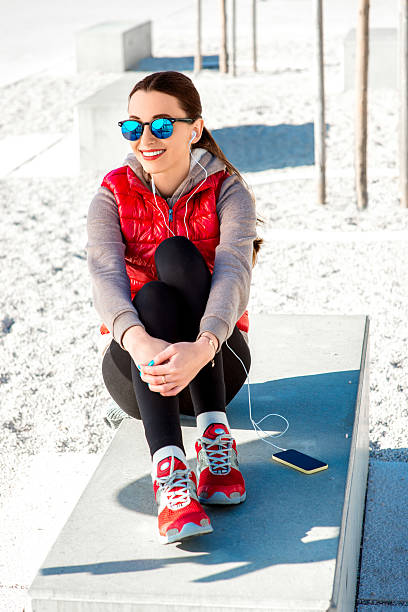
[(180, 514), (220, 480)]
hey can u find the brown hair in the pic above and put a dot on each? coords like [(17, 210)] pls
[(181, 87)]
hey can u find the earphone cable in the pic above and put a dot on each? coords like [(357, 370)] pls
[(255, 424), (188, 199), (158, 207), (195, 190)]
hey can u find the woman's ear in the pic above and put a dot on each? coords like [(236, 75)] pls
[(198, 127)]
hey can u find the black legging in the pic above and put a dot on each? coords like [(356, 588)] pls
[(171, 308)]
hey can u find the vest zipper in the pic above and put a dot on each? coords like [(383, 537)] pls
[(171, 233)]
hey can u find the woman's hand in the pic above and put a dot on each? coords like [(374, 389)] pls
[(141, 346), (176, 366)]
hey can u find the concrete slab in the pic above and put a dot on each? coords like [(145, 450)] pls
[(293, 545), (59, 159), (18, 150), (102, 146), (382, 62), (113, 46), (384, 562)]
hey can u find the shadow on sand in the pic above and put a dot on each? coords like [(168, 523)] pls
[(180, 64), (253, 148)]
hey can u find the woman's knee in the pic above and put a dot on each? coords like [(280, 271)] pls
[(179, 262), (173, 247), (160, 308), (150, 293)]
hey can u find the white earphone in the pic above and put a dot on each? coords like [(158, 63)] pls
[(193, 135)]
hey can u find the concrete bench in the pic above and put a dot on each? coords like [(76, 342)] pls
[(113, 46), (383, 59), (293, 545)]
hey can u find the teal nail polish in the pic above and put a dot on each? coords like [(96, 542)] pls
[(151, 363)]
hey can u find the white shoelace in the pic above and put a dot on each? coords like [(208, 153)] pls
[(176, 498), (218, 457)]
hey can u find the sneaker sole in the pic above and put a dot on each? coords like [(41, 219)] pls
[(220, 498), (188, 531)]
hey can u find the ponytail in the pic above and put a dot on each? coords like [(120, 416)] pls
[(207, 142)]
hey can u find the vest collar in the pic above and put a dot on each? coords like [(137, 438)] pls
[(196, 175)]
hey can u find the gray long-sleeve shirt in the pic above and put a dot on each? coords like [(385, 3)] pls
[(231, 277)]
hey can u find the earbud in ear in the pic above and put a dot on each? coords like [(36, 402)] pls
[(193, 135)]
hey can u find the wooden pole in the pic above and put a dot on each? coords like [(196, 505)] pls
[(254, 62), (233, 67), (320, 121), (198, 57), (362, 50), (403, 54), (223, 50)]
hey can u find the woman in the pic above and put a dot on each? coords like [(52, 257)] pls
[(171, 241)]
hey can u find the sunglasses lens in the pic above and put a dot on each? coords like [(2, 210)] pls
[(162, 128), (132, 130)]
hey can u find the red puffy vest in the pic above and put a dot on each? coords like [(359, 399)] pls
[(145, 223)]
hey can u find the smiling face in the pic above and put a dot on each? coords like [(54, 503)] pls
[(168, 156)]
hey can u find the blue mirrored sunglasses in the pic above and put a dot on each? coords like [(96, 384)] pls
[(160, 128)]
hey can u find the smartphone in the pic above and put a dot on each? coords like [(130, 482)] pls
[(300, 461)]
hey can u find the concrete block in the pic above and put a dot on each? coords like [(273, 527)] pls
[(294, 543), (113, 46), (18, 150), (101, 144), (383, 59), (384, 562)]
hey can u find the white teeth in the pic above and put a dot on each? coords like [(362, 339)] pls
[(152, 153)]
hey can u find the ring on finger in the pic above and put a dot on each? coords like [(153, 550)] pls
[(164, 379)]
